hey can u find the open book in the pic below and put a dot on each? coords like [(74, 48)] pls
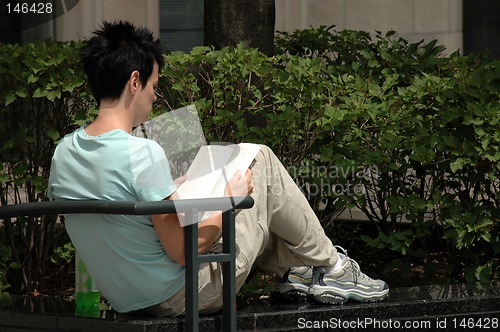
[(214, 166)]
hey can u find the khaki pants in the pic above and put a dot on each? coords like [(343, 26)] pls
[(280, 231)]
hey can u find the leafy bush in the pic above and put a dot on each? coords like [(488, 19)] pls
[(42, 97), (425, 128)]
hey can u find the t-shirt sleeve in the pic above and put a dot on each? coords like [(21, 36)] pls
[(152, 179)]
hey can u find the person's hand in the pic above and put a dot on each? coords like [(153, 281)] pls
[(180, 180), (240, 185)]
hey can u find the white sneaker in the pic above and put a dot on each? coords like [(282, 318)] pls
[(348, 283), (295, 284)]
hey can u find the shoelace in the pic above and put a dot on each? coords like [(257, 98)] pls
[(356, 269), (352, 262)]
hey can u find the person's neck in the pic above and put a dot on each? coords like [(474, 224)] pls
[(112, 115)]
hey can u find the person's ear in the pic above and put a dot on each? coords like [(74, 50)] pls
[(134, 81)]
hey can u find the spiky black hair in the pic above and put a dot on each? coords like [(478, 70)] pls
[(115, 51)]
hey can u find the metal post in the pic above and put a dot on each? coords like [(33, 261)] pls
[(229, 270), (191, 323)]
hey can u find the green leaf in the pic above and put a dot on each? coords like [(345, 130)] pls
[(32, 78), (457, 164), (39, 93), (483, 273), (10, 98), (53, 134)]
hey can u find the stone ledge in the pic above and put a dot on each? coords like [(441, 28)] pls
[(444, 304)]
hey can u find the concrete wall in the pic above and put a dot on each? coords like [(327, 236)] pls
[(413, 20), (87, 15)]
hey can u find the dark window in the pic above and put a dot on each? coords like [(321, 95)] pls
[(9, 26), (181, 24), (481, 26)]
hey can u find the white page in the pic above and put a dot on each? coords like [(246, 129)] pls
[(205, 176), (243, 160), (199, 187), (205, 171), (209, 159)]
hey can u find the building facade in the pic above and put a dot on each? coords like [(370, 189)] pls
[(465, 25), (468, 25), (413, 20)]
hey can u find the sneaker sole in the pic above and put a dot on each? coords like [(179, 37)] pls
[(328, 298), (294, 296), (293, 292), (326, 294)]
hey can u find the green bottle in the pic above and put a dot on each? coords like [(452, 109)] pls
[(87, 297)]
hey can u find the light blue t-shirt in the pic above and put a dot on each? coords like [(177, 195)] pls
[(122, 253)]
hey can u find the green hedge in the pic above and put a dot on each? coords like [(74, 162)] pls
[(42, 96), (428, 126), (393, 128)]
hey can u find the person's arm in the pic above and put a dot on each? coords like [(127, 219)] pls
[(171, 233)]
